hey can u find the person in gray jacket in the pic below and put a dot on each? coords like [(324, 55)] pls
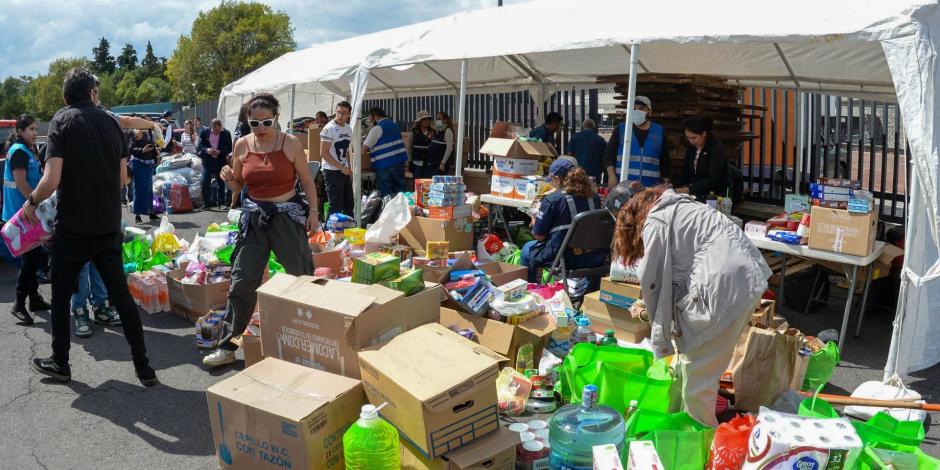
[(701, 279)]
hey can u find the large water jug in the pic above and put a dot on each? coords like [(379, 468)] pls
[(575, 429), (371, 443)]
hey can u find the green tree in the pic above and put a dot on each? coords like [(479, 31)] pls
[(107, 93), (128, 58), (13, 97), (226, 43), (102, 62), (151, 64), (125, 92), (153, 90), (44, 93)]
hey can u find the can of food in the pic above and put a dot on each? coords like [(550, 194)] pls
[(531, 454)]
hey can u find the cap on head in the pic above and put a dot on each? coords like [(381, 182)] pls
[(167, 113), (423, 114), (561, 167), (644, 101)]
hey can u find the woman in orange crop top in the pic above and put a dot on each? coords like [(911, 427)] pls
[(274, 217)]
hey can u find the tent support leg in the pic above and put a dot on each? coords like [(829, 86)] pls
[(798, 155), (892, 362), (461, 116), (631, 96)]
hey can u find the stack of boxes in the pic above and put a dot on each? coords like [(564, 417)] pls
[(842, 217), (446, 199), (514, 159), (835, 193), (449, 217), (609, 309)]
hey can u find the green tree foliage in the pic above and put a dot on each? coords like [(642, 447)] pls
[(128, 58), (13, 97), (44, 93), (226, 43), (102, 62), (152, 90), (125, 91), (151, 65)]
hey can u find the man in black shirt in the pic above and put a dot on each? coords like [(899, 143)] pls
[(86, 164)]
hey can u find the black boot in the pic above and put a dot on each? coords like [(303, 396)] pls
[(19, 310), (145, 373), (38, 304)]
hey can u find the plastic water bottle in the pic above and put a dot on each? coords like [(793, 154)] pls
[(575, 429), (608, 338), (582, 332), (371, 443)]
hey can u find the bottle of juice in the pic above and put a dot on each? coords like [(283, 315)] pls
[(608, 338), (371, 443), (575, 429)]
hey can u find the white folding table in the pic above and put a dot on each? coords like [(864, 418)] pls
[(849, 263), (496, 205)]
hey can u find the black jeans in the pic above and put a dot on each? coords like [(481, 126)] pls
[(339, 192), (213, 188), (69, 253), (26, 282)]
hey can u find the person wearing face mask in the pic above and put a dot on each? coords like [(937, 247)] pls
[(421, 137), (387, 152), (649, 154), (442, 145), (705, 168)]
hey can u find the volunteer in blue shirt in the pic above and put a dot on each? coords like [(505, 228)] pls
[(649, 152), (20, 175), (546, 132), (574, 193), (387, 152), (589, 148)]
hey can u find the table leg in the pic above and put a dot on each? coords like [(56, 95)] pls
[(489, 217), (861, 310), (783, 279), (848, 306)]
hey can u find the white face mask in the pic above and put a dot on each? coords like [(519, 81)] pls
[(637, 117), (438, 124)]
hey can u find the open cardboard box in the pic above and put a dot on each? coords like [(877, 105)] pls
[(440, 387), (276, 415), (193, 301), (502, 273), (421, 230), (323, 323), (605, 316), (503, 338), (503, 142)]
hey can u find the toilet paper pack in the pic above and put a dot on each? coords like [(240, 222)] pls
[(784, 441)]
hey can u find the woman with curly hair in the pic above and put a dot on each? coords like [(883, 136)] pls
[(574, 193), (701, 279)]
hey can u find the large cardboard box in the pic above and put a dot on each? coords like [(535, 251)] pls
[(440, 387), (322, 323), (841, 231), (496, 451), (503, 186), (251, 347), (516, 167), (277, 415), (462, 211), (605, 316), (421, 230), (619, 294), (192, 301), (502, 273), (327, 259), (503, 142), (503, 338)]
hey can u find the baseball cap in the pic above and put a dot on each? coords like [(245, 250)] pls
[(561, 167), (644, 101), (167, 113)]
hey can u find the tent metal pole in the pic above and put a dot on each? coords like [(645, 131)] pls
[(290, 124), (892, 363), (800, 135), (628, 127), (461, 117)]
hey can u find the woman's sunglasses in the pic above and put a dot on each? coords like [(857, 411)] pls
[(266, 123)]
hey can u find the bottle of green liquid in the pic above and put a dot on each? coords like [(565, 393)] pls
[(371, 443), (608, 338)]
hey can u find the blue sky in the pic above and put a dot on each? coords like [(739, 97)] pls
[(35, 32)]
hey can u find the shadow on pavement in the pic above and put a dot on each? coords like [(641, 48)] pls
[(172, 421)]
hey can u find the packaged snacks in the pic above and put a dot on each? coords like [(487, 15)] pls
[(410, 282), (375, 267), (437, 250)]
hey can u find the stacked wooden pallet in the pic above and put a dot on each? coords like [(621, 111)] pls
[(677, 97)]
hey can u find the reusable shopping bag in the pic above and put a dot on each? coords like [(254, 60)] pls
[(820, 366), (681, 442)]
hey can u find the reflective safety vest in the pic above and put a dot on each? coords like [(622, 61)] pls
[(419, 147), (13, 199), (644, 161), (390, 149)]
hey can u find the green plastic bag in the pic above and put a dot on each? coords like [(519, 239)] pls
[(620, 374), (135, 251), (869, 460), (515, 258), (523, 235), (156, 260), (224, 254), (681, 442), (885, 429), (820, 367), (273, 266), (817, 408)]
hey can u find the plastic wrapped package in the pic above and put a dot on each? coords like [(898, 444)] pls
[(512, 391), (782, 441), (21, 236), (515, 312)]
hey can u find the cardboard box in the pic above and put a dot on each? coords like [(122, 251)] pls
[(328, 259), (515, 167), (503, 338), (375, 267), (619, 294), (503, 186), (496, 451), (421, 230), (192, 301), (313, 145), (503, 142), (279, 415), (763, 317), (251, 347), (321, 323), (605, 316), (440, 387), (462, 211), (841, 231), (502, 273), (519, 186)]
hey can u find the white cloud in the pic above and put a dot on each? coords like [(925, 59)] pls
[(39, 31)]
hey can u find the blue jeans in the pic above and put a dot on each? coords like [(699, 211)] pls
[(90, 288), (524, 252), (390, 181)]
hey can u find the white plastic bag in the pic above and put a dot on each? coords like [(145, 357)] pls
[(165, 226), (894, 389), (620, 272), (395, 216)]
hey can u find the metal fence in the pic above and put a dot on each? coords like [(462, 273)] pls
[(844, 137)]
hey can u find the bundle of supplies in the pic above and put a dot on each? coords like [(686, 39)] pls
[(409, 281), (517, 311), (21, 236), (447, 191), (207, 273), (471, 289), (338, 222), (783, 441), (836, 193), (209, 329), (375, 267), (149, 289)]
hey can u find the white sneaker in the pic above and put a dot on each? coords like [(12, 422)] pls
[(219, 357)]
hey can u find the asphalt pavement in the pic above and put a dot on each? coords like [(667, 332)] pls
[(105, 419)]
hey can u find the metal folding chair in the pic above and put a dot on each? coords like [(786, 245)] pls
[(591, 230)]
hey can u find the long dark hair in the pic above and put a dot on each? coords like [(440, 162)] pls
[(628, 234), (701, 125), (22, 123)]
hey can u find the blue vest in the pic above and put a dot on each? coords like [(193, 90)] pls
[(13, 200), (644, 161), (390, 149)]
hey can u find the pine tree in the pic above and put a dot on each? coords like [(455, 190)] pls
[(102, 61), (128, 58), (151, 64)]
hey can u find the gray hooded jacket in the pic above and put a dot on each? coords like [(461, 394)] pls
[(699, 273)]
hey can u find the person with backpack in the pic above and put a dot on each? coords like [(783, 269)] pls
[(705, 169)]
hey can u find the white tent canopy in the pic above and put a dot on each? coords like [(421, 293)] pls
[(883, 50)]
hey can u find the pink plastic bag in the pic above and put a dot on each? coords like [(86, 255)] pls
[(21, 237)]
